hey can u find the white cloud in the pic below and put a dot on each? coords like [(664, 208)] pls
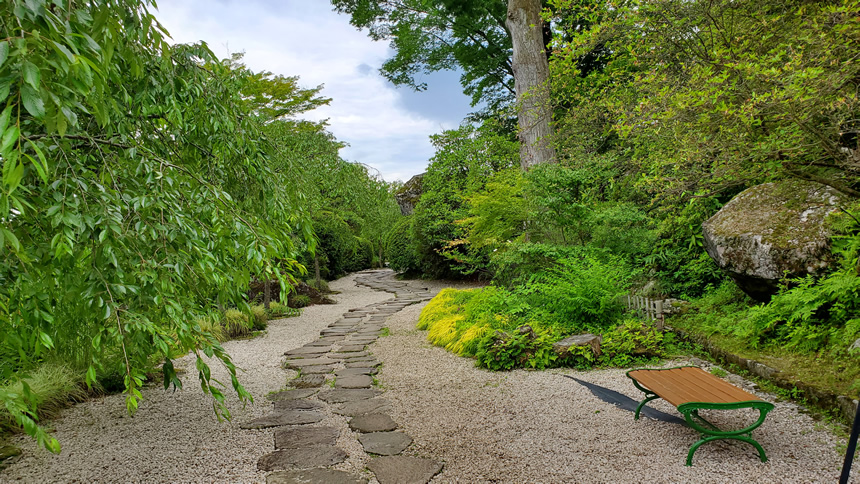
[(308, 39)]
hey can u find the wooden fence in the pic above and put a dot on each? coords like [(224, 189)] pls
[(651, 309)]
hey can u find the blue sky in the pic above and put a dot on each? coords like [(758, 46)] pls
[(386, 127)]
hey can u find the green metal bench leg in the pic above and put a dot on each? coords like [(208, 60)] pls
[(642, 404), (742, 438)]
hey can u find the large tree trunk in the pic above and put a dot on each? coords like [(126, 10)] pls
[(531, 81)]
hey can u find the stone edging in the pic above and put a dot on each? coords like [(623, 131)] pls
[(820, 398)]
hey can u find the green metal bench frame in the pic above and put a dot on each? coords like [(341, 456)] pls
[(709, 432)]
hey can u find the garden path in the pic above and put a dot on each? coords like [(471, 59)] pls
[(371, 385)]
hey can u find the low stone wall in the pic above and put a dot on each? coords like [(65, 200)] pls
[(846, 406)]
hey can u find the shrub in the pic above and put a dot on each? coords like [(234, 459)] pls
[(52, 386), (516, 263), (400, 247), (300, 300), (236, 324), (281, 310), (522, 348), (259, 319), (214, 327), (578, 294), (321, 285), (337, 243)]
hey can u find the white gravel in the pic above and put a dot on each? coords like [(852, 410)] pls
[(530, 426), (518, 426), (175, 437)]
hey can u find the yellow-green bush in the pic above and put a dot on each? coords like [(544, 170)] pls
[(260, 319), (236, 324), (445, 319), (213, 327), (492, 325)]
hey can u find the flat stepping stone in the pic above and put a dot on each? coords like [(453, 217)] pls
[(402, 469), (354, 348), (292, 417), (317, 370), (296, 438), (305, 362), (361, 363), (354, 381), (309, 381), (314, 476), (372, 422), (355, 371), (292, 394), (343, 395), (344, 356), (310, 350), (300, 404), (385, 443), (304, 458)]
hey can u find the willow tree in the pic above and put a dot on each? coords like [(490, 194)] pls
[(135, 196)]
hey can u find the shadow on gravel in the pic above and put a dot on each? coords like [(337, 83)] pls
[(624, 402)]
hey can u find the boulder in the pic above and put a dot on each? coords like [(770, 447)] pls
[(562, 348), (771, 231), (407, 196)]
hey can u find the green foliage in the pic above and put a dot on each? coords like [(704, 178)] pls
[(516, 264), (465, 160), (301, 300), (51, 387), (400, 249), (521, 349), (578, 294), (259, 318), (236, 324), (279, 310), (337, 246), (630, 340)]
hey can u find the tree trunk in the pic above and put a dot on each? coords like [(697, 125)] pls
[(317, 271), (531, 81), (267, 294)]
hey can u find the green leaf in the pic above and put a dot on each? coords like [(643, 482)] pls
[(7, 141), (4, 52), (46, 340), (32, 76), (4, 119), (42, 165), (33, 102)]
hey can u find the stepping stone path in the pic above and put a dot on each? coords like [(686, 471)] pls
[(304, 451)]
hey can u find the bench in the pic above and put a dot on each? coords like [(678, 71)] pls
[(691, 389)]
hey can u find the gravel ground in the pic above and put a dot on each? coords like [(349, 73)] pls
[(529, 426), (517, 426), (175, 437)]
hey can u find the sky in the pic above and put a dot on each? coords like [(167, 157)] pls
[(386, 127)]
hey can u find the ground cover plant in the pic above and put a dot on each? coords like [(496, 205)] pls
[(516, 326)]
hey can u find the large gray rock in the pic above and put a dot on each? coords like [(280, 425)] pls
[(407, 196), (772, 230), (562, 348)]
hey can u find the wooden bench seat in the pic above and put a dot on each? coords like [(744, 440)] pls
[(691, 389)]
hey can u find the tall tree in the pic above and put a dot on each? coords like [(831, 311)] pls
[(531, 76)]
